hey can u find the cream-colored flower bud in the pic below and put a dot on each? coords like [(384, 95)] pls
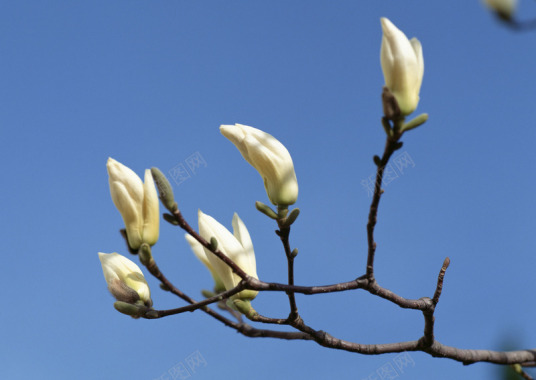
[(125, 279), (271, 159), (199, 252), (403, 66), (504, 8), (237, 246), (136, 201)]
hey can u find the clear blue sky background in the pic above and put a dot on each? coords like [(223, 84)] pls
[(149, 82)]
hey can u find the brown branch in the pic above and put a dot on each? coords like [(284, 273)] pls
[(440, 279), (256, 317), (374, 288), (242, 328), (428, 338), (326, 340), (197, 305), (362, 282), (391, 145), (284, 233), (252, 332), (436, 349), (426, 343), (255, 284), (465, 356)]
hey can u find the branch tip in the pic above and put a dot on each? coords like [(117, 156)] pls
[(440, 279)]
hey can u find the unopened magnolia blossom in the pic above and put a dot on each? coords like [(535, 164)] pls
[(125, 279), (271, 159), (236, 246), (505, 8), (136, 201), (402, 65)]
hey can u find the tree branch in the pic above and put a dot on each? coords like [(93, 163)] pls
[(440, 279), (197, 305), (284, 233), (391, 145), (426, 305), (242, 328)]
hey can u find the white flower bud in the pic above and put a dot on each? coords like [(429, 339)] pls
[(125, 279), (403, 66), (237, 247), (136, 201), (271, 159)]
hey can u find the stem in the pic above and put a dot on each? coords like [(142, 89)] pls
[(283, 234), (242, 328), (391, 145), (440, 279), (200, 304), (426, 343)]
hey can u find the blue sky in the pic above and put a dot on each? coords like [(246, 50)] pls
[(149, 82)]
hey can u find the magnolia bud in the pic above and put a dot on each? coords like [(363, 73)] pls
[(237, 246), (136, 201), (402, 65), (165, 191), (271, 159), (125, 279)]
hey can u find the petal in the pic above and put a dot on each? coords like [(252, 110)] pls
[(130, 211), (127, 194), (118, 268), (151, 214), (402, 65), (417, 48), (227, 244), (269, 157), (236, 135), (247, 260), (199, 252), (125, 175)]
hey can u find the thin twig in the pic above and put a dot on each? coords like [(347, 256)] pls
[(255, 284), (199, 304), (252, 332), (256, 317), (243, 328), (436, 349), (284, 233), (428, 338), (426, 343), (440, 279), (391, 145)]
